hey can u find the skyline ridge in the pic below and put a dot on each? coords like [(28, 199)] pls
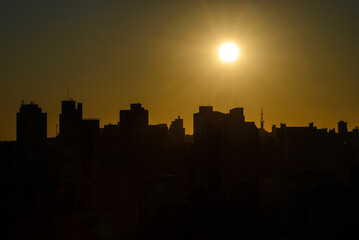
[(258, 125)]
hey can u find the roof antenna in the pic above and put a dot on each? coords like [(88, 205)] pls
[(68, 93), (262, 120)]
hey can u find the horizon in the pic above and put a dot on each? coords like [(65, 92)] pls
[(297, 59), (267, 127), (187, 119)]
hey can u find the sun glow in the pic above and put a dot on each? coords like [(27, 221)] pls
[(228, 52)]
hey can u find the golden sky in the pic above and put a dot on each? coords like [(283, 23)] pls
[(299, 59)]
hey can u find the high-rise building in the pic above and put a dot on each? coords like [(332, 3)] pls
[(31, 134), (207, 124), (135, 118), (176, 131), (78, 140), (209, 129), (225, 146), (31, 127), (70, 115), (133, 122), (342, 128)]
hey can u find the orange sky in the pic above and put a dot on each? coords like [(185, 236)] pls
[(299, 59)]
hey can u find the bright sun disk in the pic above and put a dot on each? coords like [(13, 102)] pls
[(228, 52)]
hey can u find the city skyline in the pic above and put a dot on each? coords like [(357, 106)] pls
[(258, 123), (298, 59), (145, 181), (179, 119)]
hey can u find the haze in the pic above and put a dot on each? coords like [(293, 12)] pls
[(298, 59)]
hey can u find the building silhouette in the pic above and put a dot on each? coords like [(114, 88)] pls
[(176, 132), (31, 136), (133, 180), (77, 144), (342, 128), (134, 120)]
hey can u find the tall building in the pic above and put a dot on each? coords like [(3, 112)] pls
[(207, 124), (133, 122), (70, 115), (31, 134), (208, 130), (31, 127), (306, 148), (226, 148), (135, 118), (176, 131), (78, 140), (342, 128)]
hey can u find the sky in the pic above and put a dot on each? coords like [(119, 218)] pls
[(299, 59)]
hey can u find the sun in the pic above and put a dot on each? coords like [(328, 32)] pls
[(228, 52)]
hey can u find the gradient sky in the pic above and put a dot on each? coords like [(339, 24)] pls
[(299, 59)]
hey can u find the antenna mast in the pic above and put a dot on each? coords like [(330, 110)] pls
[(68, 93), (262, 120)]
